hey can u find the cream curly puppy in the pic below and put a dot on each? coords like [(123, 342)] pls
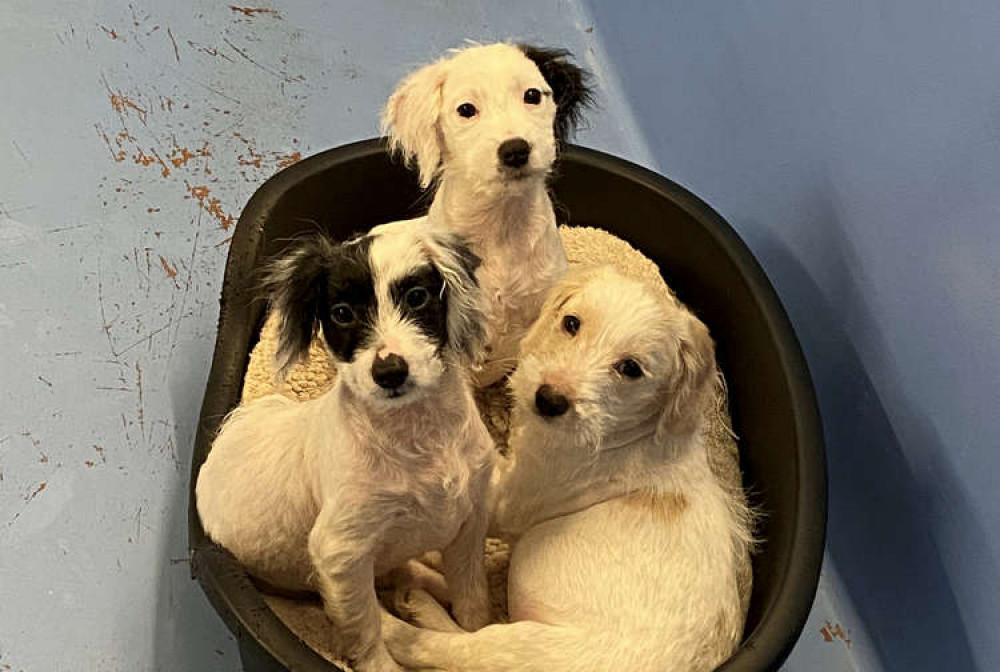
[(629, 553), (484, 125)]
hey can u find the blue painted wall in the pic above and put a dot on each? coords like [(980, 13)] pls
[(856, 147)]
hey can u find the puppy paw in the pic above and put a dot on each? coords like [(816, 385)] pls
[(421, 609)]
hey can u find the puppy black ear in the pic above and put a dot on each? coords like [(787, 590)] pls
[(690, 389), (296, 285), (570, 84), (466, 316)]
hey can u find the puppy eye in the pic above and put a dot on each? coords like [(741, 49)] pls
[(342, 314), (629, 368), (571, 324), (416, 298), (532, 96), (467, 110)]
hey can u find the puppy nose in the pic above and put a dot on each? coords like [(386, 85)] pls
[(391, 372), (549, 402), (514, 153)]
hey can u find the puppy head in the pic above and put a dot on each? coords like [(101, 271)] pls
[(396, 308), (490, 114), (607, 358)]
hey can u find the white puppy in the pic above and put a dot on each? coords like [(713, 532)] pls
[(394, 461), (484, 124), (631, 554)]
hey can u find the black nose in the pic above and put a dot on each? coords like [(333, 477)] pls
[(514, 153), (549, 402), (391, 372)]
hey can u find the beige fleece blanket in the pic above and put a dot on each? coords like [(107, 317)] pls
[(584, 246)]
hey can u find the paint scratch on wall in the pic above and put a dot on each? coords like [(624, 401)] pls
[(177, 54), (834, 631), (41, 486), (253, 11), (167, 268)]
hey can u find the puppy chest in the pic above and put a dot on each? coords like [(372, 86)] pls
[(422, 526)]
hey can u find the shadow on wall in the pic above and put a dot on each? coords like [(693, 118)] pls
[(880, 533), (188, 635)]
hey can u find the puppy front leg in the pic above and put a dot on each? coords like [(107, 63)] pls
[(465, 571), (464, 563), (345, 574)]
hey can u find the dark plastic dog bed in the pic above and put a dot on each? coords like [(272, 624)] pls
[(355, 187)]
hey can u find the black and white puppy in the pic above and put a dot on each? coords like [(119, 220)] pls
[(392, 462)]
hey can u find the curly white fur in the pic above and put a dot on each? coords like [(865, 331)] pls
[(622, 481)]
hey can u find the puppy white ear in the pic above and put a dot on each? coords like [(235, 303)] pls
[(410, 120), (466, 316), (296, 285), (690, 389)]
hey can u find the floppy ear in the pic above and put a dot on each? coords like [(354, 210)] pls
[(689, 391), (410, 120), (466, 316), (570, 86), (296, 285)]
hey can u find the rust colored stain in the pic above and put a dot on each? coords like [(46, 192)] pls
[(255, 159), (112, 33), (832, 631), (89, 463), (200, 193), (215, 209), (100, 451), (44, 458), (122, 103), (167, 268), (181, 155), (34, 494), (288, 159), (152, 209), (253, 11), (212, 206), (143, 159), (118, 155)]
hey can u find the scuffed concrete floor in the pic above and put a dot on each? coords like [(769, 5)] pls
[(131, 135)]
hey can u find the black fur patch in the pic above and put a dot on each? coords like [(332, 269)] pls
[(432, 318), (570, 84), (350, 281), (467, 259), (305, 284)]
